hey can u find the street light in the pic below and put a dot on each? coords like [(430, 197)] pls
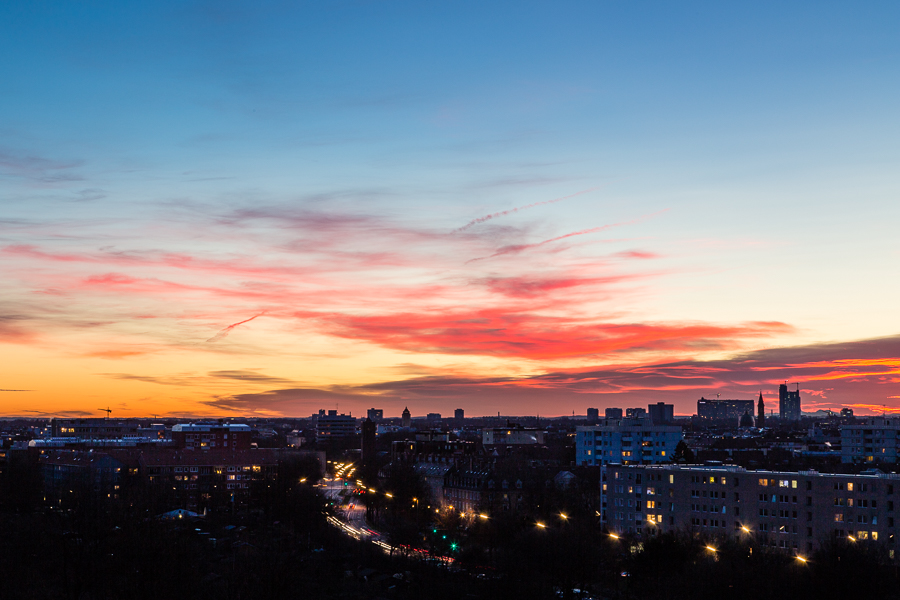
[(800, 558), (745, 529), (541, 525), (613, 536), (711, 549), (564, 516)]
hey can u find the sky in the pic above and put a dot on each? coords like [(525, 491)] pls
[(271, 208)]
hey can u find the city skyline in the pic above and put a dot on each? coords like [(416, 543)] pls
[(266, 211)]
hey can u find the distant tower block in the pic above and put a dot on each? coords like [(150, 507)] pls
[(459, 415), (613, 413), (788, 403), (406, 419)]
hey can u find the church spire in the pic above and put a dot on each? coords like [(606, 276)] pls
[(760, 412)]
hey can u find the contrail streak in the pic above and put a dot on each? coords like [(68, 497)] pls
[(516, 248), (515, 210), (228, 329)]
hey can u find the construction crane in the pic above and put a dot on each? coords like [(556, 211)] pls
[(107, 410)]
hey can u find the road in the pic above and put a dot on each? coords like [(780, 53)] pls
[(350, 517)]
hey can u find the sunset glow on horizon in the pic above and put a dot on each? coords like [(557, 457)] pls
[(216, 211)]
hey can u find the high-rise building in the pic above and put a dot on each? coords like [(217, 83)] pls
[(613, 413), (635, 413), (459, 415), (333, 426), (723, 410), (874, 440), (661, 413), (626, 441), (375, 414), (593, 414), (796, 512), (368, 441), (760, 412), (788, 403), (405, 418)]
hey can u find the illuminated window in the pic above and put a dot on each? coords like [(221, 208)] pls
[(763, 482), (838, 517), (850, 487), (671, 479), (794, 483)]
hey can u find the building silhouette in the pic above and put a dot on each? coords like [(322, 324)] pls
[(723, 410), (661, 413), (788, 403), (760, 412), (405, 418)]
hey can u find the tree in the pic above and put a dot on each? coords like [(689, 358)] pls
[(683, 453)]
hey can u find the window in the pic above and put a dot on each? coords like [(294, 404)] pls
[(839, 517), (763, 482), (850, 487)]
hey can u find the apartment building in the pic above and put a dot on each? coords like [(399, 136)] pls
[(876, 439), (794, 511), (625, 441), (212, 436)]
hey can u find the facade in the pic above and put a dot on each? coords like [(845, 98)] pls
[(375, 414), (334, 426), (661, 413), (613, 413), (626, 441), (211, 436), (436, 450), (876, 439), (93, 428), (788, 403), (593, 414), (216, 479), (794, 511), (367, 449), (75, 474), (513, 435), (635, 413), (723, 410)]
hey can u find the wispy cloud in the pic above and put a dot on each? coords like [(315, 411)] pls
[(511, 211), (228, 329)]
